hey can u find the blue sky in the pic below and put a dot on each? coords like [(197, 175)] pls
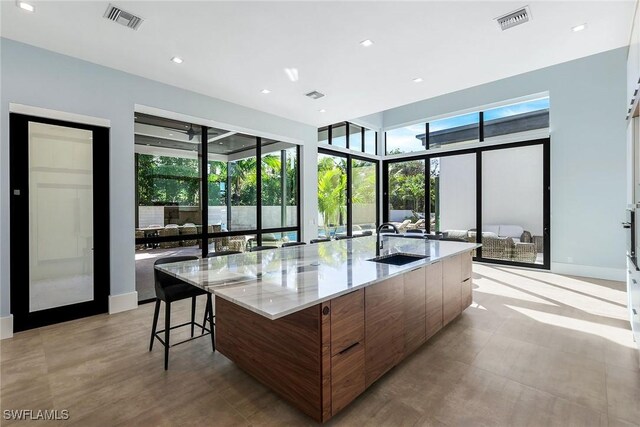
[(405, 138)]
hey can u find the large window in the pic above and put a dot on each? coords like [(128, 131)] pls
[(245, 202), (406, 193), (515, 120), (350, 136), (347, 195), (497, 195), (279, 185), (332, 195), (406, 140), (364, 201)]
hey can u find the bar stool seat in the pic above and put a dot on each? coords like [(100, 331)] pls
[(171, 289)]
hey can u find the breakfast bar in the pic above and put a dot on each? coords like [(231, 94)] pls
[(318, 324)]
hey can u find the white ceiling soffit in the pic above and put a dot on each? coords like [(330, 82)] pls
[(234, 50)]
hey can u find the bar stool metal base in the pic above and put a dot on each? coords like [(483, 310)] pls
[(208, 317)]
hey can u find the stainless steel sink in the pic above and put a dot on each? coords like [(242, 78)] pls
[(398, 258)]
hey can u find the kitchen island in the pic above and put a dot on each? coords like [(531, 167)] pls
[(318, 324)]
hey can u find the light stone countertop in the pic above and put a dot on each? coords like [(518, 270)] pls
[(275, 283)]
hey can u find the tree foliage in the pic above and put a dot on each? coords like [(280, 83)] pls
[(166, 180)]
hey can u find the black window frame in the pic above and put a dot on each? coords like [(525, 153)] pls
[(546, 185), (349, 157), (329, 129), (481, 132), (203, 236)]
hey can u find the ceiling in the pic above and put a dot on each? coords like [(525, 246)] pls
[(233, 50)]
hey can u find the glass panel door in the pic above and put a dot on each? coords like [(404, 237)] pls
[(332, 195), (513, 219), (364, 205), (60, 216), (453, 196), (406, 194), (59, 221)]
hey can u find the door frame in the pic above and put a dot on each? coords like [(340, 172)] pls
[(19, 220)]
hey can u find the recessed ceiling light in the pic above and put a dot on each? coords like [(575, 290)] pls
[(579, 28), (265, 91), (26, 6), (366, 43), (322, 110), (177, 60), (292, 73), (170, 134), (417, 80)]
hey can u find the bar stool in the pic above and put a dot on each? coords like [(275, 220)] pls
[(262, 248), (222, 253), (344, 237), (319, 240), (170, 289), (290, 244)]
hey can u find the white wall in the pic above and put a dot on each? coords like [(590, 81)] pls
[(588, 133), (36, 77)]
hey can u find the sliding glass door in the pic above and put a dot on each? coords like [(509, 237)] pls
[(452, 195), (500, 193), (513, 214)]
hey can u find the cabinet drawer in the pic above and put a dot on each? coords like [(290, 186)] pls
[(347, 376), (347, 321)]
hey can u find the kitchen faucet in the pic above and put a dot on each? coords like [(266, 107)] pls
[(379, 242)]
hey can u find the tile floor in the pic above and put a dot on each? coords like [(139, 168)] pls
[(535, 349)]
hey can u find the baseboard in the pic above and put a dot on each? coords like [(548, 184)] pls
[(6, 327), (123, 302), (605, 273)]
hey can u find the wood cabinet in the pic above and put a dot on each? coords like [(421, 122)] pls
[(322, 357), (347, 376), (415, 309), (347, 349), (347, 321), (466, 297), (434, 299), (384, 327), (451, 281)]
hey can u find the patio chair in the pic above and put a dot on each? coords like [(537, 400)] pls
[(402, 225), (169, 230), (187, 229), (419, 224)]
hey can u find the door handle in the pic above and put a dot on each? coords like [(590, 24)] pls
[(626, 225), (635, 313)]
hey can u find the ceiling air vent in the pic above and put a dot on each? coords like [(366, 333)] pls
[(314, 94), (514, 18), (121, 17)]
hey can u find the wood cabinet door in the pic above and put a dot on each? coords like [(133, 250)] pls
[(415, 309), (466, 294), (451, 284), (384, 327), (434, 299), (466, 259), (347, 376), (347, 321)]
